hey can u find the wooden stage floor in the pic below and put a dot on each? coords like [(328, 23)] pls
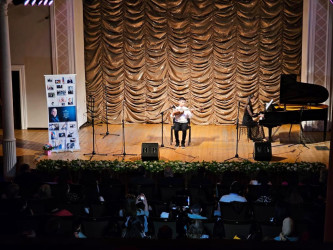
[(209, 143)]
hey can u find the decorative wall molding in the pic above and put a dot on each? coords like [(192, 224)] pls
[(62, 37), (68, 46), (317, 48)]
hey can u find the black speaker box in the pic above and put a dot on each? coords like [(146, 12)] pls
[(262, 151), (149, 152)]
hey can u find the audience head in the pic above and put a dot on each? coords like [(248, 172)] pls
[(287, 226), (24, 168), (45, 191), (168, 172), (235, 187), (12, 191), (141, 171), (195, 230), (196, 208), (130, 205), (262, 177), (287, 229)]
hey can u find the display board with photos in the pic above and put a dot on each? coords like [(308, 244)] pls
[(61, 102)]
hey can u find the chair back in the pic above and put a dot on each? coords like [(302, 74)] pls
[(235, 211), (263, 212), (95, 228), (269, 230), (169, 192), (209, 227), (158, 223), (239, 229)]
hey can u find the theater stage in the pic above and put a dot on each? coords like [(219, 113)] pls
[(209, 143)]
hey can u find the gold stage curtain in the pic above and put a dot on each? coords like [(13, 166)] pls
[(142, 55)]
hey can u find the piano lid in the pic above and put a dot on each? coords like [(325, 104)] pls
[(293, 92)]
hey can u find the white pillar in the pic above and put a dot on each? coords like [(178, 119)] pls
[(9, 141)]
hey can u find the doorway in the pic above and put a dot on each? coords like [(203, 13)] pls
[(19, 98)]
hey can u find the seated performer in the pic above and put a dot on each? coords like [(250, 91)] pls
[(255, 132), (181, 114)]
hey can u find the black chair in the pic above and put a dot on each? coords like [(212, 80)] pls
[(240, 229), (209, 226), (188, 128), (95, 227), (112, 192), (98, 210), (270, 230), (75, 208), (159, 222), (167, 193), (235, 211), (263, 212), (60, 226), (37, 206)]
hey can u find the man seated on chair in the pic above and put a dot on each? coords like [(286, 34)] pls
[(181, 114)]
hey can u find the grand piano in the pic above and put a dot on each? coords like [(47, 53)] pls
[(298, 102)]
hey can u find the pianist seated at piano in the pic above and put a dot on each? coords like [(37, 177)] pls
[(254, 130)]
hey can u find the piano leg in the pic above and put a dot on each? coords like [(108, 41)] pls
[(325, 128), (270, 134), (291, 125)]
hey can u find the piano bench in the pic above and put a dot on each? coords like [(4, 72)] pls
[(242, 129)]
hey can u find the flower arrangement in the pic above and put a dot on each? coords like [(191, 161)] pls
[(246, 167), (47, 147)]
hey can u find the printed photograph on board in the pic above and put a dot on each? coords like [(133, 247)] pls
[(62, 101), (50, 87), (70, 90), (70, 101), (53, 126), (53, 135), (62, 114)]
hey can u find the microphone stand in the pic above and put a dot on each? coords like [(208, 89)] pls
[(162, 113), (106, 116), (123, 135), (92, 103), (237, 138)]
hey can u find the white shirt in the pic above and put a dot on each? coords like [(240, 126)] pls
[(183, 117), (232, 197)]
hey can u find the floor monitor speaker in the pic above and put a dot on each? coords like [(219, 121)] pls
[(149, 152), (262, 151)]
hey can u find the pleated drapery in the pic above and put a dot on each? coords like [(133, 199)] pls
[(141, 56)]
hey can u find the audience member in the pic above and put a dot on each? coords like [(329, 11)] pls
[(136, 213), (28, 181), (170, 179), (196, 230), (77, 230), (235, 194), (195, 212), (141, 178), (287, 233)]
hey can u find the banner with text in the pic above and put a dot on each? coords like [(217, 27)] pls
[(61, 103)]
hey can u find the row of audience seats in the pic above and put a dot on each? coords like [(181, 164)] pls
[(111, 227)]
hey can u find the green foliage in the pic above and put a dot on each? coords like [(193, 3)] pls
[(180, 167)]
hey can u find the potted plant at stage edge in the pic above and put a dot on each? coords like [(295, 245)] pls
[(47, 149)]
